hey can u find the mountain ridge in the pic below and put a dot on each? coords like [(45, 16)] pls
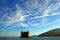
[(51, 33)]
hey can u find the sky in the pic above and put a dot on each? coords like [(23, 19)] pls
[(35, 16)]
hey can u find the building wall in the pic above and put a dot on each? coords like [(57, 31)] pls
[(25, 34)]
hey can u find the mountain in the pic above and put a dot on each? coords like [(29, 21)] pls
[(51, 33)]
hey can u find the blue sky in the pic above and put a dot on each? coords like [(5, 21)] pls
[(35, 16)]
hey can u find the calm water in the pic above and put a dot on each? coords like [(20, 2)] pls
[(36, 38)]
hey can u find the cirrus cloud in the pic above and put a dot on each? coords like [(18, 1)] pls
[(27, 16)]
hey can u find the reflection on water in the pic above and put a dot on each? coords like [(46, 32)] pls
[(36, 38)]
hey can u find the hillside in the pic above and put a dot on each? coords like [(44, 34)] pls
[(51, 33)]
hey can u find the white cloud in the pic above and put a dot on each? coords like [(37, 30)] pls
[(46, 15), (57, 13), (50, 23), (19, 13), (7, 20), (48, 9), (31, 5), (17, 17), (24, 24), (51, 8)]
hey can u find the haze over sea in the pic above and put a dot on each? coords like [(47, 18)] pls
[(34, 38)]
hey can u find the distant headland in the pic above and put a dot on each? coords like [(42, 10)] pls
[(51, 33)]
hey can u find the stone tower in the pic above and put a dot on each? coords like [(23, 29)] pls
[(24, 34)]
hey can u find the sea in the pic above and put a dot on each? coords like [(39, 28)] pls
[(34, 38)]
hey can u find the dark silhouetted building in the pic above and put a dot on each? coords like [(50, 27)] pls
[(24, 34)]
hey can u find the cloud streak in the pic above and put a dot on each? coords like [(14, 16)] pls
[(33, 11)]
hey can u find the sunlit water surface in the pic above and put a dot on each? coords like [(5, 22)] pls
[(36, 38)]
